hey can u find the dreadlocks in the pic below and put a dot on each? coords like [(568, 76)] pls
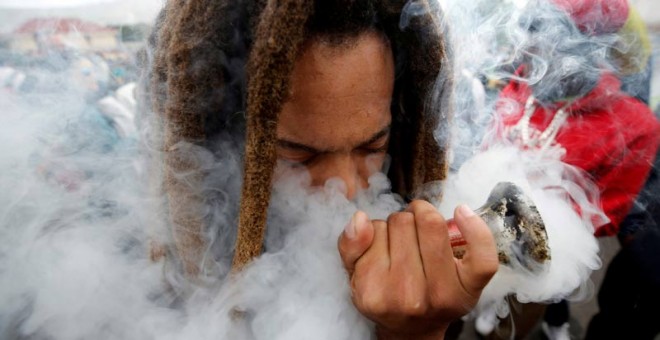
[(224, 67)]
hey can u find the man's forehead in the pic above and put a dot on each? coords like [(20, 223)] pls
[(336, 124), (339, 100)]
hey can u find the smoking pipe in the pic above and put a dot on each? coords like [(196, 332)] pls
[(517, 226)]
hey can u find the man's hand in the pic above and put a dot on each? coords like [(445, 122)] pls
[(403, 273)]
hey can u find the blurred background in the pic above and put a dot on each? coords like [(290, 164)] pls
[(33, 32)]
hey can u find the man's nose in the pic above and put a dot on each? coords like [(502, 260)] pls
[(346, 168)]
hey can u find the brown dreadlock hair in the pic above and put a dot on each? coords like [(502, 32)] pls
[(223, 66)]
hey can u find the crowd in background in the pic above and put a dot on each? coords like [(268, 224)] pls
[(98, 93)]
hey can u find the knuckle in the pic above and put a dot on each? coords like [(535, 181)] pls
[(413, 306), (431, 219), (373, 304), (412, 297), (401, 218), (417, 205), (366, 269)]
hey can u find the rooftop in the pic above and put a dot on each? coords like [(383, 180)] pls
[(59, 26)]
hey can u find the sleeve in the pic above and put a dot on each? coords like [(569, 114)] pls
[(623, 176)]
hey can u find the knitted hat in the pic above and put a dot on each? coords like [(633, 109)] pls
[(262, 39), (595, 17)]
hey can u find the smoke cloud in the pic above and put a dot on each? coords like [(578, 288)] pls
[(78, 214)]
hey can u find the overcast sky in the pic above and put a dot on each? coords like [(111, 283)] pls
[(15, 12)]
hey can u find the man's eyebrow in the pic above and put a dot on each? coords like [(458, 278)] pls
[(296, 146), (287, 144), (378, 135)]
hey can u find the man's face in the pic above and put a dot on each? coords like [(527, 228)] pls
[(336, 121)]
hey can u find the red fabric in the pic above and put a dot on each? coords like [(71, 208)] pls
[(608, 134), (596, 16)]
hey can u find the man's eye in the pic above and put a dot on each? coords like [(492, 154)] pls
[(298, 160), (374, 149), (309, 160)]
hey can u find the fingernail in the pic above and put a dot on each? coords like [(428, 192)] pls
[(357, 221), (465, 211), (349, 229)]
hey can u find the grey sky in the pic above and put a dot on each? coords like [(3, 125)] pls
[(649, 10), (15, 12)]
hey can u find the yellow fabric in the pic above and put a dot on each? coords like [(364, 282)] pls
[(633, 48)]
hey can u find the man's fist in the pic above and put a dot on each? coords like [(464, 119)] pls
[(403, 273)]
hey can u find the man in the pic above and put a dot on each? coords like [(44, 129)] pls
[(331, 87)]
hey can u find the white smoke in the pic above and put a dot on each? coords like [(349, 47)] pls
[(76, 220), (553, 186)]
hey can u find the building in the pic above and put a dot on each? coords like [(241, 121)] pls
[(37, 35)]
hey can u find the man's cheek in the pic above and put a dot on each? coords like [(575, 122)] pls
[(376, 163), (287, 172)]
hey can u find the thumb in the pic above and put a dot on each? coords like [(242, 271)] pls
[(355, 240), (480, 262)]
